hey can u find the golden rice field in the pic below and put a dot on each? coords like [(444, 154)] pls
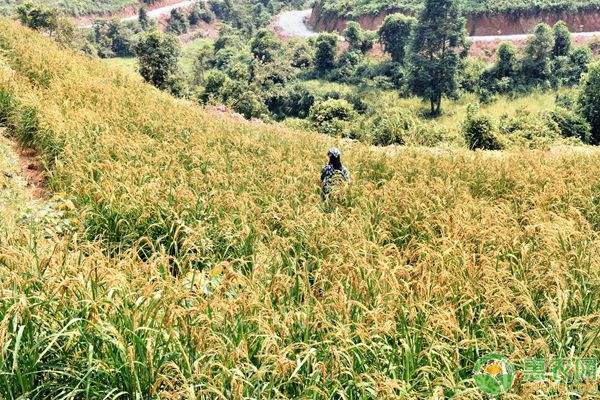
[(201, 263)]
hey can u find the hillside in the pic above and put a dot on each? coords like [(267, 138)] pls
[(487, 17), (75, 7), (201, 261)]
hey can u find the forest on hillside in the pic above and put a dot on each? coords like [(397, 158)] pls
[(356, 8)]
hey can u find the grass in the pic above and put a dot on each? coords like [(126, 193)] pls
[(190, 52), (204, 263), (454, 111), (186, 61)]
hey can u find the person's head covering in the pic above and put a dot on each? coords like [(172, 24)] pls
[(334, 152)]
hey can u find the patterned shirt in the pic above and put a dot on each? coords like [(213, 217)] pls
[(329, 175)]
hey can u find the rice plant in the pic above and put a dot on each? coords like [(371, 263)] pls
[(202, 262)]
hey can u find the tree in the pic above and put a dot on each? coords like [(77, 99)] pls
[(202, 62), (112, 38), (394, 35), (537, 64), (199, 13), (37, 16), (122, 39), (579, 59), (358, 38), (178, 23), (302, 55), (264, 45), (506, 61), (326, 48), (562, 40), (437, 52), (589, 101), (158, 59), (144, 18)]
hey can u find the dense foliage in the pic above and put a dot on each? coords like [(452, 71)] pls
[(355, 8), (73, 7)]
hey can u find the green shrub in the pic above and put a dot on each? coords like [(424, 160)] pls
[(571, 124), (527, 129), (249, 105), (479, 131), (178, 24), (394, 34), (332, 116)]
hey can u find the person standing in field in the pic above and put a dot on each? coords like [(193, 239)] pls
[(333, 172)]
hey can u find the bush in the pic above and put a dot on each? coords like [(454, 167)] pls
[(178, 23), (113, 38), (470, 79), (347, 67), (479, 131), (302, 55), (589, 101), (214, 81), (394, 35), (537, 64), (357, 38), (199, 13), (526, 129), (391, 127), (571, 124), (37, 16), (249, 105), (157, 58), (298, 102), (331, 116)]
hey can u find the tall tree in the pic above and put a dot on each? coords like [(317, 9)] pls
[(264, 45), (158, 59), (506, 61), (537, 64), (144, 18), (562, 40), (589, 101), (178, 23), (437, 52), (326, 49), (394, 35), (358, 38)]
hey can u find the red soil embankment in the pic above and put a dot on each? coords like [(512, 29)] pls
[(477, 24)]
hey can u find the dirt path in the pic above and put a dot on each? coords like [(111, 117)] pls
[(23, 167), (162, 9), (25, 200), (293, 24)]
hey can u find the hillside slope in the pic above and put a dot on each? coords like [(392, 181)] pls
[(484, 18), (204, 263), (74, 7)]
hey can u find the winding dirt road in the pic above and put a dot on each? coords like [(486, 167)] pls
[(293, 24), (131, 13), (162, 11)]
